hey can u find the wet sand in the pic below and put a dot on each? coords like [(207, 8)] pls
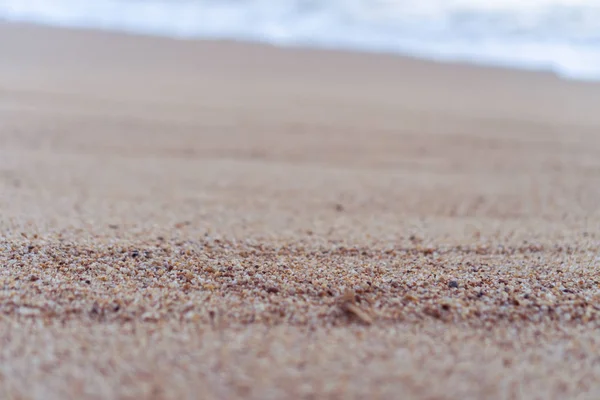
[(223, 220)]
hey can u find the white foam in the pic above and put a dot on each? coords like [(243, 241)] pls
[(562, 35)]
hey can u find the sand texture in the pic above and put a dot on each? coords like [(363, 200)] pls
[(204, 220)]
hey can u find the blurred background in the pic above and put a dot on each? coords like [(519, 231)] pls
[(558, 35)]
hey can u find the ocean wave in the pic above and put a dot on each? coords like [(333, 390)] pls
[(558, 35)]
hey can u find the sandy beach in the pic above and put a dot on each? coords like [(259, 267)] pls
[(218, 220)]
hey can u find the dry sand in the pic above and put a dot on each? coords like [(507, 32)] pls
[(189, 220)]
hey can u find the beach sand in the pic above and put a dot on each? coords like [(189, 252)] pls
[(220, 220)]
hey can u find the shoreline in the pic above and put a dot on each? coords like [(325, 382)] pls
[(427, 56), (407, 56)]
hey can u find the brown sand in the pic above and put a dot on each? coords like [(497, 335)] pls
[(215, 220)]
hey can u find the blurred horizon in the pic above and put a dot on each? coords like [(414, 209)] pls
[(562, 36)]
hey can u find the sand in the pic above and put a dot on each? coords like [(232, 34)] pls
[(214, 220)]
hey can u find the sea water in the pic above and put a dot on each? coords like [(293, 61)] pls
[(558, 35)]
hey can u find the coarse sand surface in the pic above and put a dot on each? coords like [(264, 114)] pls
[(217, 220)]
